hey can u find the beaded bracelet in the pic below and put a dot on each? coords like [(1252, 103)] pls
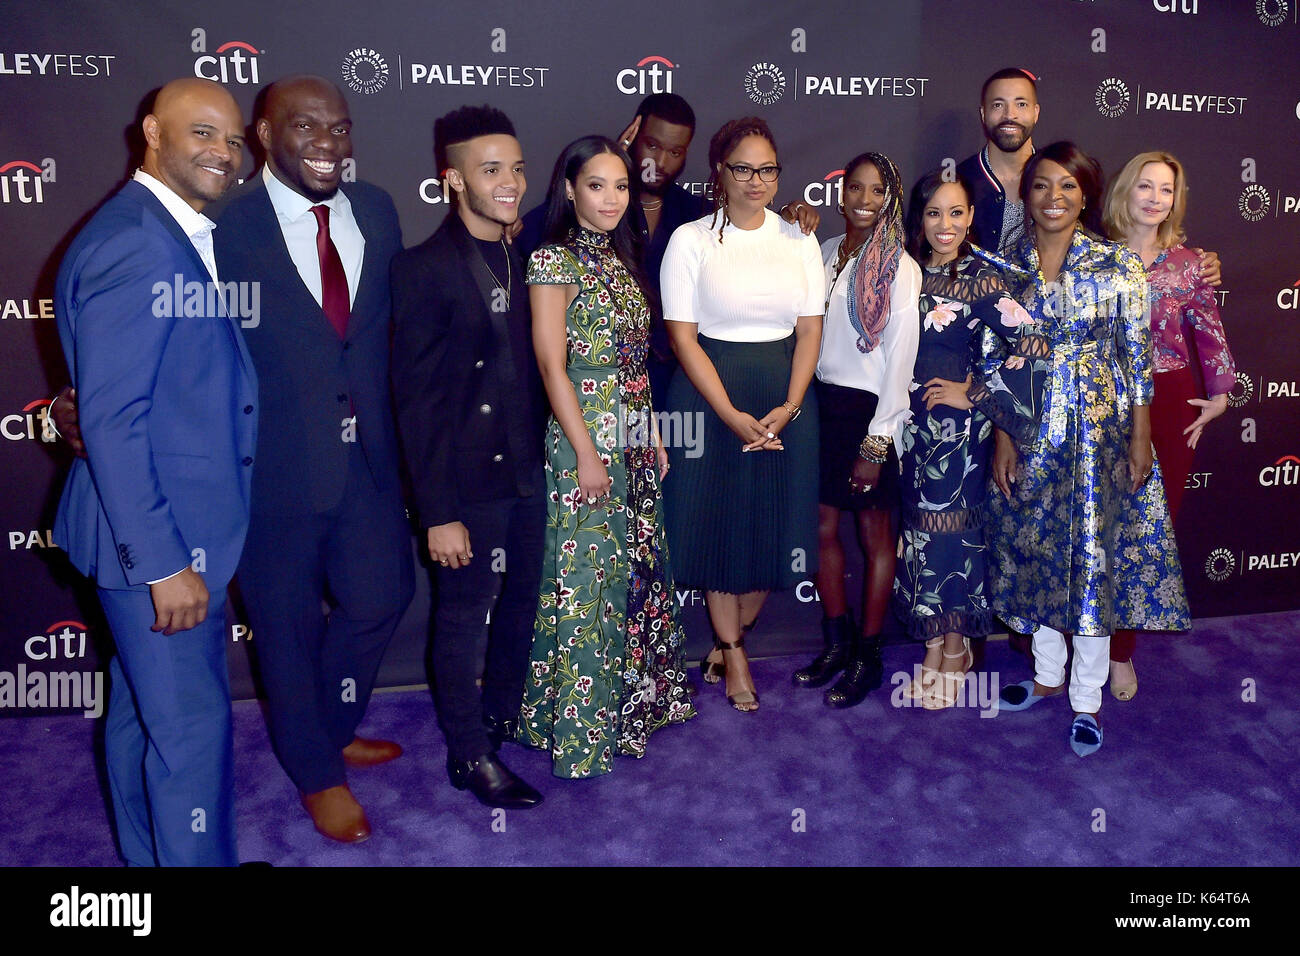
[(875, 449)]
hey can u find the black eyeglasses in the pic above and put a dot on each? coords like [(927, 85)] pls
[(744, 174)]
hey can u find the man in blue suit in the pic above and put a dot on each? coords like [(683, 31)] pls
[(158, 509), (328, 524)]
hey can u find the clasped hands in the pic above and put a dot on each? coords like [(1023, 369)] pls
[(760, 434)]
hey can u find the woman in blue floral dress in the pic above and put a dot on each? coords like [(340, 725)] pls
[(606, 668), (1081, 534), (939, 589)]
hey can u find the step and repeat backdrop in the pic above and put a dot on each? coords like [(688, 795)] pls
[(1216, 82)]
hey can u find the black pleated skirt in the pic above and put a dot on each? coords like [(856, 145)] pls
[(741, 521)]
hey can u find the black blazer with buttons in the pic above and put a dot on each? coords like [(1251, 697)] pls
[(312, 380), (456, 405)]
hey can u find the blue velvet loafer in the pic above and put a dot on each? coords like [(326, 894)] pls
[(1085, 735), (1018, 697)]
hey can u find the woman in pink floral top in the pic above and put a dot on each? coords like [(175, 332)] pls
[(1144, 209)]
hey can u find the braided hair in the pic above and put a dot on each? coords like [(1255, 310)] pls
[(723, 143), (878, 262)]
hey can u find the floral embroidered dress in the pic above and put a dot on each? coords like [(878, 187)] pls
[(607, 660), (1074, 549), (940, 584), (1183, 309)]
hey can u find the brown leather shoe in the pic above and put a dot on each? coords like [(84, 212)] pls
[(369, 753), (337, 814)]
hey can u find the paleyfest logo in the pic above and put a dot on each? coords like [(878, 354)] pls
[(1112, 97), (365, 71), (1254, 203), (765, 83)]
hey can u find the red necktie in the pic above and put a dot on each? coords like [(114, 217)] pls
[(333, 280)]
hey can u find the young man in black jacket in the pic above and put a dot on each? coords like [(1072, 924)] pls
[(470, 410)]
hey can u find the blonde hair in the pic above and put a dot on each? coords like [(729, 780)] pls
[(1116, 217)]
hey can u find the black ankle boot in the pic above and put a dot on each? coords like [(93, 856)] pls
[(837, 634), (864, 672)]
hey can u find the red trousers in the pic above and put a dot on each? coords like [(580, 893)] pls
[(1170, 414)]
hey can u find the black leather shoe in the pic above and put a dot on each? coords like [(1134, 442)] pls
[(863, 674), (492, 783), (500, 731), (837, 635)]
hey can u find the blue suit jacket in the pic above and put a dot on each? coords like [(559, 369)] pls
[(311, 381), (167, 403)]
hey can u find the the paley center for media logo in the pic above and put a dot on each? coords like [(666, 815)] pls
[(365, 71)]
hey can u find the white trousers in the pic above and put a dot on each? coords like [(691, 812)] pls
[(1087, 676)]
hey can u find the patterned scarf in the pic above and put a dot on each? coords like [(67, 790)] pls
[(878, 262)]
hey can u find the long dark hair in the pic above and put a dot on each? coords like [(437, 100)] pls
[(562, 220), (1086, 172), (922, 193), (722, 144)]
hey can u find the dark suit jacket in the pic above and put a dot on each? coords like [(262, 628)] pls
[(167, 403), (455, 406), (311, 380)]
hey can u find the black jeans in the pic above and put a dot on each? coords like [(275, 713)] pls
[(502, 581)]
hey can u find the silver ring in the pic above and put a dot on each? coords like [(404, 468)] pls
[(591, 500), (771, 434)]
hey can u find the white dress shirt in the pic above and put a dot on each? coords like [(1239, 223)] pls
[(885, 371), (194, 224), (298, 226)]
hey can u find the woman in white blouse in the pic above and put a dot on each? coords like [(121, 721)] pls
[(743, 294), (868, 348)]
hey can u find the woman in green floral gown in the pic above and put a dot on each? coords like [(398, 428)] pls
[(607, 667)]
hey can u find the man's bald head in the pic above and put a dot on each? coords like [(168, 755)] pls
[(194, 139), (307, 133)]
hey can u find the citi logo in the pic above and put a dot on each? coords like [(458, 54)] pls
[(654, 74), (1254, 203), (32, 423), (1285, 471), (1272, 13), (24, 182), (62, 640), (1175, 6), (233, 62), (435, 190), (1112, 97), (828, 192), (1289, 298)]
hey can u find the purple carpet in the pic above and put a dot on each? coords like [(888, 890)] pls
[(1191, 774)]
